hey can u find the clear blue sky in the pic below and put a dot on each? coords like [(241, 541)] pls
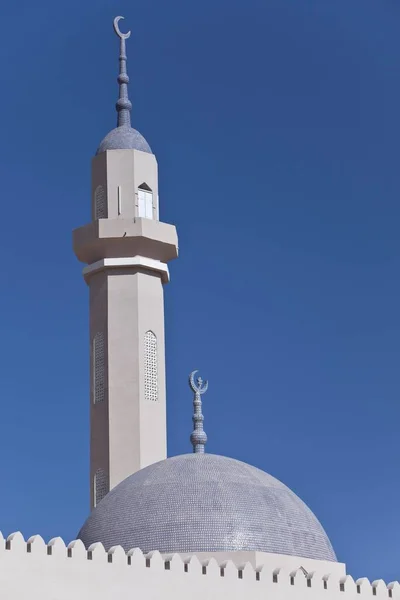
[(276, 127)]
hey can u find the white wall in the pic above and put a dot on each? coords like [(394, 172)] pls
[(34, 570)]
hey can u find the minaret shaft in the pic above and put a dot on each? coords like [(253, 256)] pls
[(128, 425)]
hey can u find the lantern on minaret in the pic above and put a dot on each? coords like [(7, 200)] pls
[(126, 249)]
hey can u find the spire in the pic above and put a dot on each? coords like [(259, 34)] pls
[(123, 105), (198, 436)]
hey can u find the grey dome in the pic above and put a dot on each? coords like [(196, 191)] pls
[(124, 138), (204, 502)]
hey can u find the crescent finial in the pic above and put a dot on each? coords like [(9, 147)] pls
[(124, 105), (123, 36), (198, 437), (198, 386)]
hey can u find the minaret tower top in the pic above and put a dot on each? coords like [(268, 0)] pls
[(123, 137)]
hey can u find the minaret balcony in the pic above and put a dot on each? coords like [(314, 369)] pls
[(118, 238)]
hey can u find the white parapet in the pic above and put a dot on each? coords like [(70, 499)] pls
[(34, 570)]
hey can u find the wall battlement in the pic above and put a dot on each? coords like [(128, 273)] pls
[(58, 571)]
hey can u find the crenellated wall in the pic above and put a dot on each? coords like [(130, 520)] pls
[(36, 570)]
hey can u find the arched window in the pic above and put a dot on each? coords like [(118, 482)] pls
[(98, 367), (150, 367), (100, 206), (145, 201), (100, 486)]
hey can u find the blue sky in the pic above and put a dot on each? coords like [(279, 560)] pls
[(276, 127)]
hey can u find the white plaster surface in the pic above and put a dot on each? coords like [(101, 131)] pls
[(133, 261), (40, 571)]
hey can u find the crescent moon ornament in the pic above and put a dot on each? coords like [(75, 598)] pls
[(198, 386), (123, 36)]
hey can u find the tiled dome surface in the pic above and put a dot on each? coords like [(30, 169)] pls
[(204, 502), (124, 138)]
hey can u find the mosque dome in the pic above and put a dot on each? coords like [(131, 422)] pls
[(124, 138), (206, 503)]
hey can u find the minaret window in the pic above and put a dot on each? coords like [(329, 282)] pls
[(150, 367), (100, 487), (100, 206), (145, 202), (98, 367)]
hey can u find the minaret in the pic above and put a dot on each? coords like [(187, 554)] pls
[(126, 249)]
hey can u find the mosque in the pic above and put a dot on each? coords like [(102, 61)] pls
[(196, 526)]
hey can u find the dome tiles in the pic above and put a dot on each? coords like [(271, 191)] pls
[(206, 503)]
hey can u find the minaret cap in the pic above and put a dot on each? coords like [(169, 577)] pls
[(198, 436)]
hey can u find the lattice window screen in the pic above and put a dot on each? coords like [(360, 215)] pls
[(100, 486), (98, 367), (150, 367), (100, 205)]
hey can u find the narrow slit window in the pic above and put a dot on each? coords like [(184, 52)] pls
[(145, 200), (100, 486), (98, 367)]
